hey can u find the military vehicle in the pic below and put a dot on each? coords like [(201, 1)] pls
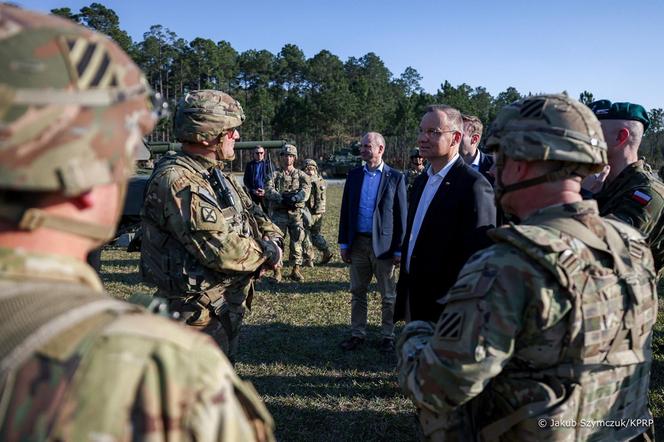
[(338, 163)]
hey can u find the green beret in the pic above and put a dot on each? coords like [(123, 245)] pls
[(605, 110)]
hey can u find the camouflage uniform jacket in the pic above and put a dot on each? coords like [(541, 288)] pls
[(636, 197), (194, 242), (316, 201), (514, 348), (281, 182), (411, 174), (116, 374)]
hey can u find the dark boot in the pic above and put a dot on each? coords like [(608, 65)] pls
[(295, 274), (327, 257)]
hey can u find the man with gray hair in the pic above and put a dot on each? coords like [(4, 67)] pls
[(450, 209), (371, 230)]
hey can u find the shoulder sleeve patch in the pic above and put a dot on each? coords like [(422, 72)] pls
[(450, 325), (640, 197)]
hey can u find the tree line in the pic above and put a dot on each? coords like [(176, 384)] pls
[(321, 103)]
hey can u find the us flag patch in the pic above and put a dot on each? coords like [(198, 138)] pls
[(449, 325), (641, 197)]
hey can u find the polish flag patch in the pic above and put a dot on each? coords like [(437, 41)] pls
[(641, 197)]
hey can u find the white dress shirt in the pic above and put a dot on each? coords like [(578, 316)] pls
[(433, 183)]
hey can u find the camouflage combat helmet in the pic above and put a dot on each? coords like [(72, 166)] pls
[(310, 162), (552, 128), (415, 152), (289, 149), (73, 108), (204, 114), (547, 128)]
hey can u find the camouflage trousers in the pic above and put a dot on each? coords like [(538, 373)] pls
[(222, 319), (291, 222), (314, 238)]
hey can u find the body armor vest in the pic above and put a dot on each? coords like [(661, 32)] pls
[(602, 373), (164, 260)]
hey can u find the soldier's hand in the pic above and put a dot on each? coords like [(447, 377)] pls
[(345, 255), (273, 253), (594, 183)]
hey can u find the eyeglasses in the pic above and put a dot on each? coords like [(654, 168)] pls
[(259, 153), (430, 133)]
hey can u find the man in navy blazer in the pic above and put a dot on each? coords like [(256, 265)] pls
[(450, 209), (475, 158), (372, 225)]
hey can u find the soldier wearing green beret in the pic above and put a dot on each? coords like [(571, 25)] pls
[(631, 191), (415, 168), (286, 191), (204, 240), (552, 325), (76, 364), (315, 205)]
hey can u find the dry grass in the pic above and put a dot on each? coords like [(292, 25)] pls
[(289, 350)]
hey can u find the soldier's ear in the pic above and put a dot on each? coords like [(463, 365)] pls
[(622, 136), (84, 200)]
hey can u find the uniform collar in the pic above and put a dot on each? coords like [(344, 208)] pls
[(22, 265), (585, 207), (204, 161)]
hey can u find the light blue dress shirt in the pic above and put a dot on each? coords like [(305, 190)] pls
[(368, 195)]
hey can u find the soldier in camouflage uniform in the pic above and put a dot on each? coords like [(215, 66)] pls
[(631, 191), (315, 205), (204, 240), (286, 191), (552, 325), (415, 169), (75, 363)]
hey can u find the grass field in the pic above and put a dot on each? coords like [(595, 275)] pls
[(289, 350)]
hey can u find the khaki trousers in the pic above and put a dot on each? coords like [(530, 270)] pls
[(364, 265)]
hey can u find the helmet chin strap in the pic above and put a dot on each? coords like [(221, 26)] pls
[(501, 190), (32, 219)]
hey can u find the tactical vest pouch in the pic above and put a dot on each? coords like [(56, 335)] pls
[(155, 265), (551, 419)]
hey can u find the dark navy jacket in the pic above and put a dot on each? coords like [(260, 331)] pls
[(255, 175), (389, 217), (454, 227)]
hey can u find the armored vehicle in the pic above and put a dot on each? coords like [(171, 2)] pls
[(338, 163)]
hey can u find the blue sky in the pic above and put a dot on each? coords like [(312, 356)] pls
[(615, 49)]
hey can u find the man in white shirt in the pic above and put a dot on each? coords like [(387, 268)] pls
[(451, 208)]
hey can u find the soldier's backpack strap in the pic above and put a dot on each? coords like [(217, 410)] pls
[(37, 313)]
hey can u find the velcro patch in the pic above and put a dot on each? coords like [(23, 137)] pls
[(208, 215), (450, 325), (641, 197)]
